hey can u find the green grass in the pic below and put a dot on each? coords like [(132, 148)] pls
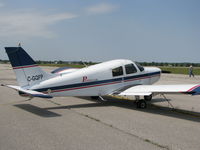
[(181, 70)]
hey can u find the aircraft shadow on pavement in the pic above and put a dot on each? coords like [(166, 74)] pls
[(129, 104), (80, 106), (37, 110)]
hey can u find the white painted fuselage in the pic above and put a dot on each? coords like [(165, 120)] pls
[(98, 80)]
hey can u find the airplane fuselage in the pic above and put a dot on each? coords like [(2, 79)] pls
[(99, 80)]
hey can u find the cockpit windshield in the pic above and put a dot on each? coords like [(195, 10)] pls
[(139, 67)]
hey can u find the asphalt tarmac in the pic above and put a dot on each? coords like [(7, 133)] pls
[(77, 123)]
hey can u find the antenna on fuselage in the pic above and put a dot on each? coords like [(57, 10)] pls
[(19, 45)]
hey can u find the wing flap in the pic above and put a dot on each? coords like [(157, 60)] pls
[(138, 90), (29, 92)]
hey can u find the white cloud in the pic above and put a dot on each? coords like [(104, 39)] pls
[(25, 24), (101, 8), (30, 24)]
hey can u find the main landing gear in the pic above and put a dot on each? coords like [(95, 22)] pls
[(142, 103)]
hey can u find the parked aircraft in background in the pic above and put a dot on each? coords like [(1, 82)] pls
[(115, 77)]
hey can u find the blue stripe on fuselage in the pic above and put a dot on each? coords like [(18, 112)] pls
[(196, 91), (77, 85)]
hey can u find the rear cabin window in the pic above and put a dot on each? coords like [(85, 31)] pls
[(140, 67), (130, 68), (117, 71)]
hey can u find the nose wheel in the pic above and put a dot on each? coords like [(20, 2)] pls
[(141, 104)]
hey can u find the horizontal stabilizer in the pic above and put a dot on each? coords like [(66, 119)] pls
[(29, 92)]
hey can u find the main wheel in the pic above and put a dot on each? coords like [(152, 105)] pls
[(141, 104), (148, 98)]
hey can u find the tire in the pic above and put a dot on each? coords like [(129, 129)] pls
[(148, 98), (141, 104)]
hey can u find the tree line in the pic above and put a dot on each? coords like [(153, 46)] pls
[(167, 64)]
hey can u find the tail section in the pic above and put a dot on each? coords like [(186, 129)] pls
[(27, 71)]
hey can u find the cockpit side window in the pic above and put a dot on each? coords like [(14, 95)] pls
[(117, 71), (130, 68), (140, 67)]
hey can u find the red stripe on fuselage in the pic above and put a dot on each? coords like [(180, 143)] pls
[(191, 89), (90, 86), (69, 89)]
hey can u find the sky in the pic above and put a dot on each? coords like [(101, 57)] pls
[(101, 30)]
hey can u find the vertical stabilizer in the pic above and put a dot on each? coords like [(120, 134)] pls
[(27, 72)]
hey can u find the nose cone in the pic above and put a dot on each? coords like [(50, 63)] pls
[(157, 69), (154, 74), (152, 69)]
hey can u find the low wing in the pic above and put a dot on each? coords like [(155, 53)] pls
[(29, 92), (145, 90)]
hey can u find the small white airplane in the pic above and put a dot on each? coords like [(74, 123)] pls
[(116, 77)]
